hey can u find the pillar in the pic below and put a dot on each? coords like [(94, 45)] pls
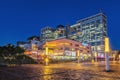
[(107, 50)]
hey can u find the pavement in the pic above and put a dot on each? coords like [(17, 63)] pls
[(62, 71)]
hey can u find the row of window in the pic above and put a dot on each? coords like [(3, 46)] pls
[(95, 43)]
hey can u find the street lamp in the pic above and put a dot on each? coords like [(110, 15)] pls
[(107, 50)]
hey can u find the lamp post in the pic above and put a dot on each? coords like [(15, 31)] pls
[(107, 50)]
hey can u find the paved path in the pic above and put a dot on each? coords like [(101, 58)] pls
[(62, 71)]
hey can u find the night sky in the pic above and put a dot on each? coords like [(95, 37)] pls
[(20, 19)]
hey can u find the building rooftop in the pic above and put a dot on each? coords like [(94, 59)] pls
[(90, 17)]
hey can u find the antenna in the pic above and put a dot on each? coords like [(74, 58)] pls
[(101, 11)]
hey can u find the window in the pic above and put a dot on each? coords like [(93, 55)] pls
[(87, 47), (76, 45), (35, 42), (93, 44), (76, 48), (83, 25), (92, 24), (67, 48), (97, 23), (98, 43)]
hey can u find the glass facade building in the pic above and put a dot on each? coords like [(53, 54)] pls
[(91, 30), (47, 33)]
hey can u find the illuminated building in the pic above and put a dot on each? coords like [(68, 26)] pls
[(24, 45), (91, 30), (31, 45), (66, 47), (47, 33), (60, 31)]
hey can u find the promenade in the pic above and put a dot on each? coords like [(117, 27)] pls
[(61, 71)]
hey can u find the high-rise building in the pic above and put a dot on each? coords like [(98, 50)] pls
[(60, 31), (47, 33), (91, 30)]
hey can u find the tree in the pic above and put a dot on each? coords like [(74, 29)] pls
[(10, 49), (18, 50), (13, 54)]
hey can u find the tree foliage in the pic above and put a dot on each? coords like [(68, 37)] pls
[(10, 50), (11, 54)]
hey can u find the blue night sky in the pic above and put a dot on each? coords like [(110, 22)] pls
[(20, 19)]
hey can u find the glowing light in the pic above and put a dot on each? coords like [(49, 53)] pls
[(95, 54), (67, 44), (46, 60), (107, 49), (46, 50), (78, 53), (73, 49)]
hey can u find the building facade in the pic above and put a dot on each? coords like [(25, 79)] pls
[(47, 33), (64, 48), (91, 30)]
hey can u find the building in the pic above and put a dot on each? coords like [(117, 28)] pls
[(60, 31), (64, 48), (32, 44), (24, 45), (47, 33), (91, 30)]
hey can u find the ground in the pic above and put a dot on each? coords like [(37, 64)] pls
[(61, 71)]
